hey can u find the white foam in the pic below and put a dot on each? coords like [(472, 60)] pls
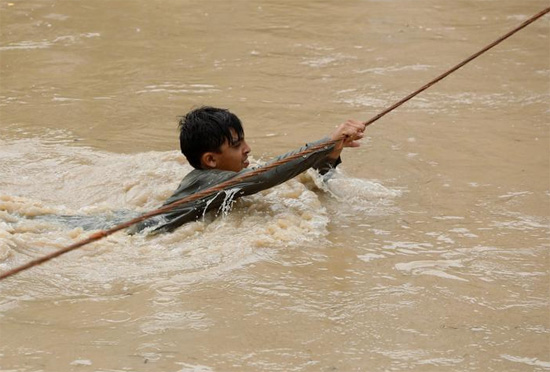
[(370, 257), (393, 69), (64, 40), (359, 194), (81, 362), (524, 360), (179, 88), (186, 367), (27, 45), (411, 246), (513, 194), (441, 361)]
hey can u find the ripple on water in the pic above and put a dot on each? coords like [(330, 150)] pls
[(177, 88), (115, 316), (443, 103), (436, 268), (42, 44), (187, 367), (161, 322), (527, 361)]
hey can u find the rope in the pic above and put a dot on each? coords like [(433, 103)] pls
[(227, 184)]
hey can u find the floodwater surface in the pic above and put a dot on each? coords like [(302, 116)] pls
[(428, 250)]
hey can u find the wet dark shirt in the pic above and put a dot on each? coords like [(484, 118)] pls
[(201, 179)]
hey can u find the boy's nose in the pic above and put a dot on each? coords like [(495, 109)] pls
[(246, 148)]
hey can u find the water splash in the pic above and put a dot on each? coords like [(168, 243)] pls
[(228, 201)]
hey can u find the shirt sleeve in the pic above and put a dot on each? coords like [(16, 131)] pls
[(288, 170)]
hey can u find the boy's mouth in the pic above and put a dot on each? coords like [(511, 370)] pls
[(246, 163)]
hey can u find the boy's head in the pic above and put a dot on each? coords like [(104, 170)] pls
[(213, 138)]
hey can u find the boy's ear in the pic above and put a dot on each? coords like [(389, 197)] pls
[(208, 160)]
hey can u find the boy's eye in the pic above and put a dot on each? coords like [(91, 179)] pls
[(236, 144)]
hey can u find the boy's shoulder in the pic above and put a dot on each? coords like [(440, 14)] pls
[(198, 180)]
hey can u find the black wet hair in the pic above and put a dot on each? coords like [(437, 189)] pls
[(206, 129)]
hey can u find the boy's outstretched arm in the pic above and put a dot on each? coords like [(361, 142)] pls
[(348, 133)]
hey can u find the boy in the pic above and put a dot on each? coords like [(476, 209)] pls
[(213, 141)]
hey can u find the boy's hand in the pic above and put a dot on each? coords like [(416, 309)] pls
[(349, 133)]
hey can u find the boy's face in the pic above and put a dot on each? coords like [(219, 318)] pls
[(234, 156)]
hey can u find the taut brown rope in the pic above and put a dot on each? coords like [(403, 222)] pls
[(227, 184)]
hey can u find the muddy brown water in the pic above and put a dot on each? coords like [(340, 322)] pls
[(427, 251)]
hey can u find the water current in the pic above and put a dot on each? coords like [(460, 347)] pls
[(428, 250)]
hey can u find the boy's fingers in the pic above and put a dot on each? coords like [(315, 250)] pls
[(353, 144), (357, 135)]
